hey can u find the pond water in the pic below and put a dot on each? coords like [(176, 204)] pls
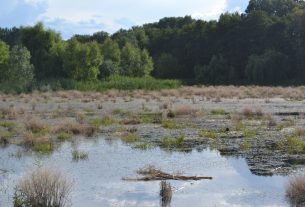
[(97, 181)]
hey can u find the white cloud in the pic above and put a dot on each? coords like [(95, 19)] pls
[(111, 15), (87, 16)]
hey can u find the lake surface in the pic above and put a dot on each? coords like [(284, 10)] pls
[(98, 180)]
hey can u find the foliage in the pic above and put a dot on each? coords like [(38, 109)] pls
[(19, 71), (268, 68), (82, 61), (135, 62), (265, 45)]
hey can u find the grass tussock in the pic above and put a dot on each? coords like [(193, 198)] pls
[(36, 126), (130, 138), (169, 124), (170, 142), (74, 128), (79, 155), (295, 191), (184, 110), (252, 113), (38, 143), (218, 112), (43, 187)]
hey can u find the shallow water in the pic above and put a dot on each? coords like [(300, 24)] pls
[(97, 181)]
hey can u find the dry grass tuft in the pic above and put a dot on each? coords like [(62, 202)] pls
[(10, 113), (295, 191), (43, 187), (75, 128), (250, 113), (185, 110), (35, 125)]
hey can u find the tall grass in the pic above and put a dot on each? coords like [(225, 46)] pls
[(112, 82)]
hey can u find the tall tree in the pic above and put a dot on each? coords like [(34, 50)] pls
[(82, 61)]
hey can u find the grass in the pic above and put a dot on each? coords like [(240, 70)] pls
[(249, 133), (36, 126), (44, 148), (169, 142), (62, 136), (295, 145), (5, 136), (9, 125), (117, 111), (143, 146), (218, 112), (208, 133), (239, 126), (121, 83), (130, 138), (105, 121), (245, 145), (79, 155), (147, 118), (295, 191), (169, 124), (43, 187)]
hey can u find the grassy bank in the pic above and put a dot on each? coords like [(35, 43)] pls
[(113, 82)]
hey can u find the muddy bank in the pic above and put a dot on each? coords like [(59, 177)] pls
[(267, 132)]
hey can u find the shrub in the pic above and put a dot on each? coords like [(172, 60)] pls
[(295, 191), (43, 188)]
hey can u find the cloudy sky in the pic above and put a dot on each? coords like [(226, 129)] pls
[(88, 16)]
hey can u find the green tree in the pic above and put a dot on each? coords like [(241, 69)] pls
[(135, 62), (4, 53), (44, 46), (216, 72), (82, 61), (167, 66), (267, 68), (19, 72), (272, 7), (112, 57)]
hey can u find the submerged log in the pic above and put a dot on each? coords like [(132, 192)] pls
[(150, 173)]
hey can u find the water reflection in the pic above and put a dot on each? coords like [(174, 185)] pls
[(165, 194), (99, 179)]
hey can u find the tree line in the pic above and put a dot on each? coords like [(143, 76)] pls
[(265, 45)]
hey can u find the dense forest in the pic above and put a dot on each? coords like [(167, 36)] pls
[(265, 45)]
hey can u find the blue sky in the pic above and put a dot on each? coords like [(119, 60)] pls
[(88, 16)]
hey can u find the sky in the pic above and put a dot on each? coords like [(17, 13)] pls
[(88, 16)]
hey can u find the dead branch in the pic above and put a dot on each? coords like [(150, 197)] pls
[(150, 173)]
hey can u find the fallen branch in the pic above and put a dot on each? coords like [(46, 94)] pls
[(150, 173)]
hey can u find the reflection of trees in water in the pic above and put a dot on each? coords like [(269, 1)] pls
[(165, 194)]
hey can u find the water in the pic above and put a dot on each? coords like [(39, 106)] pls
[(97, 181)]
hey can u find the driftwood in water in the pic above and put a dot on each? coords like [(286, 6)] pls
[(150, 173), (165, 194)]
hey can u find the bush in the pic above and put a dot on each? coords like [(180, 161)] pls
[(295, 191), (43, 188)]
